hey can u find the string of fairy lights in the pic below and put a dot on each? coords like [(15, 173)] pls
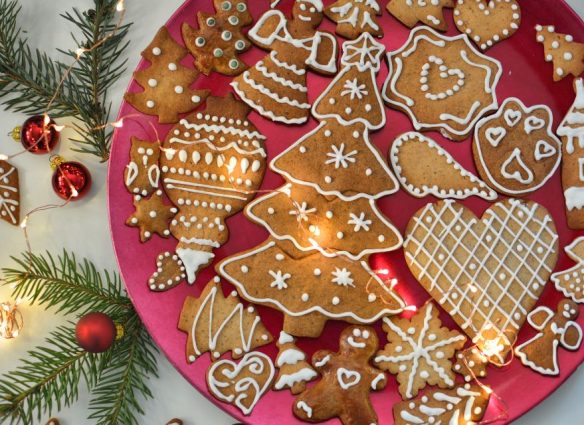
[(11, 321)]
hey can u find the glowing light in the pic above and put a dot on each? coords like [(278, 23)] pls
[(74, 193), (120, 6), (393, 283), (118, 124), (3, 157), (24, 222), (384, 272), (79, 52), (10, 321), (411, 308), (47, 120), (59, 128)]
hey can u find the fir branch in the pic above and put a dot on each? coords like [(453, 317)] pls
[(47, 380), (30, 79), (118, 378), (115, 398), (64, 283)]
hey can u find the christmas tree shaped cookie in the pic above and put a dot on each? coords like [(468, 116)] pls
[(218, 324), (213, 163), (295, 371), (165, 81), (309, 220), (354, 17), (561, 49), (218, 42), (9, 193), (571, 281), (337, 158), (310, 288)]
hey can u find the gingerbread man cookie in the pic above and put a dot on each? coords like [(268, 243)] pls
[(442, 83), (347, 379), (516, 150), (559, 329)]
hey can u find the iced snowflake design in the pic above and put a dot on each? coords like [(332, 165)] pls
[(359, 222), (354, 89), (419, 351), (342, 277), (339, 157), (279, 279), (302, 211)]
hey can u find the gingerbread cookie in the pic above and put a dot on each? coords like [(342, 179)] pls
[(516, 150), (571, 281), (9, 193), (460, 406), (294, 371), (347, 380), (213, 163), (152, 216), (276, 86), (561, 49), (571, 130), (559, 329), (471, 364), (217, 324), (142, 174), (442, 83), (337, 158), (241, 384), (332, 226), (169, 273), (410, 12), (424, 168), (419, 351), (487, 273), (166, 82), (218, 42), (310, 288), (487, 22), (354, 17)]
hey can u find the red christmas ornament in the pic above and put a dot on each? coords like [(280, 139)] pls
[(39, 134), (95, 332), (71, 180)]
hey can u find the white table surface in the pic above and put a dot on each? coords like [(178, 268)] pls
[(83, 228)]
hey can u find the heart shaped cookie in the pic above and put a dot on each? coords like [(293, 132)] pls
[(487, 22), (241, 384), (486, 273)]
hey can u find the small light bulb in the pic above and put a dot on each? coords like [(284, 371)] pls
[(3, 157), (120, 6)]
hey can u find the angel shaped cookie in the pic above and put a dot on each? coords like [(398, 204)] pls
[(276, 86), (540, 353)]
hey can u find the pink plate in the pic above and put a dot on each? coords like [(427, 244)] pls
[(526, 76)]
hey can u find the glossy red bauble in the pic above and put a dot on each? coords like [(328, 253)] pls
[(39, 135), (95, 332), (71, 180)]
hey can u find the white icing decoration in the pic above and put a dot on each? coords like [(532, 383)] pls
[(8, 206), (342, 277), (419, 351), (305, 407), (524, 175), (193, 260), (279, 279), (572, 127), (323, 361), (396, 69), (255, 363), (511, 120), (480, 189), (339, 158), (347, 378)]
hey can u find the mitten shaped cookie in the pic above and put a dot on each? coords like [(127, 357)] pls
[(347, 379)]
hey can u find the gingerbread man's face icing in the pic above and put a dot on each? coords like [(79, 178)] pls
[(308, 11), (360, 341), (569, 309)]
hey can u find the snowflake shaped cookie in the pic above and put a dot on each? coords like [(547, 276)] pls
[(442, 83), (419, 351)]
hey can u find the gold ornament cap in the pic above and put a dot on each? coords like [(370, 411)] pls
[(15, 133), (56, 161), (119, 331)]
